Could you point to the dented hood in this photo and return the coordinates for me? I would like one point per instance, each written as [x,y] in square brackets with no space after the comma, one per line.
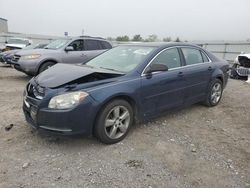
[244,55]
[16,45]
[61,74]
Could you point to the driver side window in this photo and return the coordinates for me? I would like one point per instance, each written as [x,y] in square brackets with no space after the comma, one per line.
[168,57]
[77,45]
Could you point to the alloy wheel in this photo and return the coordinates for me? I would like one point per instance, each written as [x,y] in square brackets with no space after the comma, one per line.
[117,122]
[216,93]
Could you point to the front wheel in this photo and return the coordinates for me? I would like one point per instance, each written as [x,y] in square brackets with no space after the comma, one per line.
[114,121]
[214,93]
[45,66]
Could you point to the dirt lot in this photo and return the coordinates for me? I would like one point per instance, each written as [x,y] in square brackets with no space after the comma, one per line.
[193,147]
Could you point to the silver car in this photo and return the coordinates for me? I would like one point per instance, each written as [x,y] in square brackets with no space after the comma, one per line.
[67,50]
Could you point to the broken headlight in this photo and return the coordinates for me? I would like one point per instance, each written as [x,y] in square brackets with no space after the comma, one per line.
[67,100]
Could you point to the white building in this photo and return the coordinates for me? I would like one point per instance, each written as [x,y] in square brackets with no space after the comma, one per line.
[3,25]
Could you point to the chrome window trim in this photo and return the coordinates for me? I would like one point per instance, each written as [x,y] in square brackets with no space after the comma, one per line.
[143,74]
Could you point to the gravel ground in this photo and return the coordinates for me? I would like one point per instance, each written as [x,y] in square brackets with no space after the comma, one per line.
[193,147]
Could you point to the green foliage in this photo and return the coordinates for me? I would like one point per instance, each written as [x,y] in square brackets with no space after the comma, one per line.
[124,38]
[137,38]
[167,39]
[151,38]
[177,39]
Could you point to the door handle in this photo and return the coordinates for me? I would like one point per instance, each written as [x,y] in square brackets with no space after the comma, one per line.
[209,68]
[180,74]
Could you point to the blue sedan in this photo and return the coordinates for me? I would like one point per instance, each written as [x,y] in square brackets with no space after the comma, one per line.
[106,95]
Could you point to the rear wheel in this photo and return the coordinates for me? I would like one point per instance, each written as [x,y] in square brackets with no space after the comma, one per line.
[45,66]
[215,93]
[114,122]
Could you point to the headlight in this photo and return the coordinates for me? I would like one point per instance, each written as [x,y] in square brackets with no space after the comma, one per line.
[68,100]
[32,56]
[236,61]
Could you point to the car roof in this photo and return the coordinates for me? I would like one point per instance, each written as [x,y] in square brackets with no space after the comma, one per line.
[159,44]
[86,37]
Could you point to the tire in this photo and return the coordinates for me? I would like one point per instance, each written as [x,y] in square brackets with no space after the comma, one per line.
[214,93]
[45,66]
[114,121]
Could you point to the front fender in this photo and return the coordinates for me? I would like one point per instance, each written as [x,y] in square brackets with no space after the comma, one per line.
[127,89]
[46,60]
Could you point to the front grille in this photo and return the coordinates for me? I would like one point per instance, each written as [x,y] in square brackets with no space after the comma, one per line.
[243,71]
[16,58]
[35,91]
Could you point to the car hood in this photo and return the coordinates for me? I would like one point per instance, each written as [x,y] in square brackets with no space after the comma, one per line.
[244,55]
[16,45]
[61,74]
[36,51]
[244,60]
[9,52]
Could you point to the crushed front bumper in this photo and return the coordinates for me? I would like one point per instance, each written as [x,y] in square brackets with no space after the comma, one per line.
[78,120]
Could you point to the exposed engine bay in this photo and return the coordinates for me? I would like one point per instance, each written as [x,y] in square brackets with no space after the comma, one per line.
[241,67]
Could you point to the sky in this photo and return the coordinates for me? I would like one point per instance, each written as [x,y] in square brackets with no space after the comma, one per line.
[187,19]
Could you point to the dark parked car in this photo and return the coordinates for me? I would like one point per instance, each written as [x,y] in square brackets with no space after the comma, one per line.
[241,67]
[128,82]
[67,50]
[7,56]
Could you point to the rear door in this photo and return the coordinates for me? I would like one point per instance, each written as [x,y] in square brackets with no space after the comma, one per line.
[163,90]
[92,48]
[198,71]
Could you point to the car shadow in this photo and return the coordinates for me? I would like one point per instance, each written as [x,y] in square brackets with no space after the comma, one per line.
[69,141]
[164,116]
[21,77]
[5,66]
[82,141]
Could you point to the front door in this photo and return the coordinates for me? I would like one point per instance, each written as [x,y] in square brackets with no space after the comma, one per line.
[77,55]
[163,90]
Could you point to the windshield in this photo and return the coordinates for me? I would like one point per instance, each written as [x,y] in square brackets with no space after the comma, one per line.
[32,46]
[18,41]
[35,46]
[57,44]
[122,58]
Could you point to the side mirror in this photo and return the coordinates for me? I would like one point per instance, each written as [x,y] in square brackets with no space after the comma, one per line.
[156,68]
[69,48]
[6,42]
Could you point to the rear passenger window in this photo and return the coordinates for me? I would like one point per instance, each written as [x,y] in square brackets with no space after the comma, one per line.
[105,45]
[204,57]
[192,56]
[169,57]
[91,45]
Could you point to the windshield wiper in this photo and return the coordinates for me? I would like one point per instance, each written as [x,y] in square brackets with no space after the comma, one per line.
[111,69]
[85,65]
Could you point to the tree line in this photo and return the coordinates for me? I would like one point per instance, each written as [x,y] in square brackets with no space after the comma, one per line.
[138,38]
